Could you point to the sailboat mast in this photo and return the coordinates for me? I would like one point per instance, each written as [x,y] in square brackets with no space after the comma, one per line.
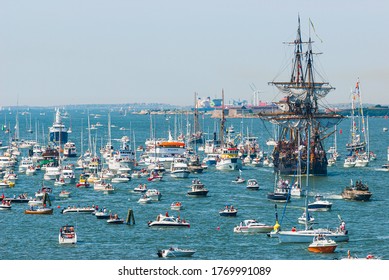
[222,123]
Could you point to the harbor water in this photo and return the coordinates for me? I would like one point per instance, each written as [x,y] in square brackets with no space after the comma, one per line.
[35,237]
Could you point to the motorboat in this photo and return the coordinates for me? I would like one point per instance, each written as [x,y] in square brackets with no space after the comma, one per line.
[252,184]
[22,198]
[86,210]
[83,181]
[102,214]
[176,205]
[6,184]
[154,176]
[64,194]
[228,211]
[67,235]
[168,221]
[5,205]
[154,194]
[140,188]
[229,160]
[179,168]
[175,252]
[145,199]
[281,192]
[239,180]
[359,191]
[122,178]
[349,162]
[322,244]
[39,210]
[114,219]
[319,204]
[197,188]
[252,226]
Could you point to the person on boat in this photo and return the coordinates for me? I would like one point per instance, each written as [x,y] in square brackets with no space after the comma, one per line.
[167,214]
[293,229]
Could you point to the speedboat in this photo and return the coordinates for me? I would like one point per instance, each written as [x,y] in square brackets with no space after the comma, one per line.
[252,184]
[228,211]
[175,252]
[197,189]
[122,178]
[144,199]
[102,214]
[239,180]
[359,191]
[176,205]
[319,204]
[168,221]
[140,188]
[5,205]
[155,177]
[281,192]
[322,244]
[74,209]
[154,194]
[115,220]
[252,226]
[64,194]
[67,235]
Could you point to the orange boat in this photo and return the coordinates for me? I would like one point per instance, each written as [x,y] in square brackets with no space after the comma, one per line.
[321,244]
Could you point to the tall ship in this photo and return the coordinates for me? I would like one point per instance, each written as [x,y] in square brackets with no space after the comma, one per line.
[303,124]
[58,133]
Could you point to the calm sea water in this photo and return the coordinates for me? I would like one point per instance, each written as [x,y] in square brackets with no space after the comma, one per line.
[35,237]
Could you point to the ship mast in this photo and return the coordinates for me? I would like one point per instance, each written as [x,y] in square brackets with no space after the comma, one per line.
[222,123]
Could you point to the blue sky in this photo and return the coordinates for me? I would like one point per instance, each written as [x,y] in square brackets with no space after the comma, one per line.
[122,51]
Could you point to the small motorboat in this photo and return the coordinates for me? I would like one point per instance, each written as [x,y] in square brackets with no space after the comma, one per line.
[281,192]
[122,178]
[155,177]
[168,221]
[197,189]
[253,226]
[228,211]
[64,194]
[252,184]
[322,244]
[145,199]
[115,220]
[140,188]
[176,205]
[39,211]
[239,180]
[102,214]
[154,194]
[359,191]
[175,252]
[67,235]
[5,205]
[319,204]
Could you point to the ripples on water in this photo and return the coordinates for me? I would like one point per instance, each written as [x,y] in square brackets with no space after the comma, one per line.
[29,237]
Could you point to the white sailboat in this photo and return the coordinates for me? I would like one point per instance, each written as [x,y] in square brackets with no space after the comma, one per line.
[359,140]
